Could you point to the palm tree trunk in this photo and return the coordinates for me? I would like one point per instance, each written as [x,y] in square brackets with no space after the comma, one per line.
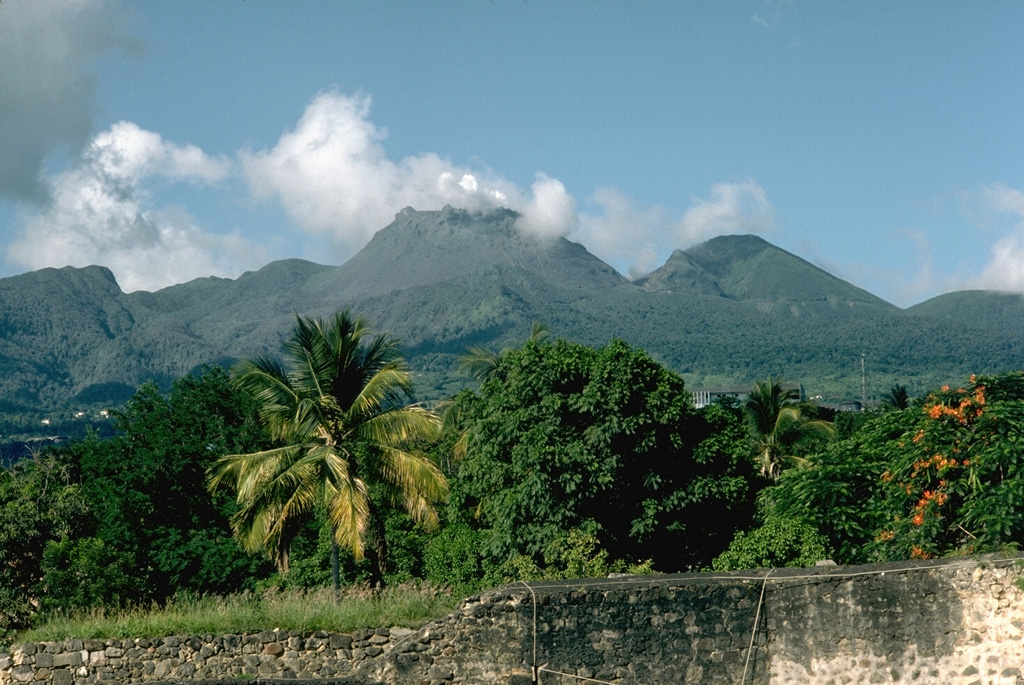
[335,574]
[377,550]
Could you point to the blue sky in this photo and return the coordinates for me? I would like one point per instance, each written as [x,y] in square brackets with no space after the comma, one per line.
[173,140]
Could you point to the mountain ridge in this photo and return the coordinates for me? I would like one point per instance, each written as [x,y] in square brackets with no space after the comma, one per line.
[728,311]
[749,268]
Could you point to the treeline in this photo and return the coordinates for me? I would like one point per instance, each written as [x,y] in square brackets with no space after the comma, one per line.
[564,461]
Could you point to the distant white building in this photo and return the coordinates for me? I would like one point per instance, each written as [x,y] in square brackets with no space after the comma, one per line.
[702,397]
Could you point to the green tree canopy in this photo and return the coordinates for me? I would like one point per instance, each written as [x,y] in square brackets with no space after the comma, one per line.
[105,522]
[39,505]
[779,542]
[564,437]
[146,486]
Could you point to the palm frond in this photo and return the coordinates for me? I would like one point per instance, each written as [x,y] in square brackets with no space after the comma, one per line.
[380,392]
[824,429]
[348,512]
[786,419]
[418,478]
[538,332]
[777,420]
[273,492]
[267,382]
[422,511]
[480,363]
[311,366]
[264,520]
[242,468]
[461,447]
[399,426]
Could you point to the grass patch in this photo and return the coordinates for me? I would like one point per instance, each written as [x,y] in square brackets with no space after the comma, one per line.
[304,611]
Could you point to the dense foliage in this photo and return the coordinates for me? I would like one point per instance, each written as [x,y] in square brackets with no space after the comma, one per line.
[567,460]
[39,505]
[564,438]
[128,519]
[779,542]
[944,476]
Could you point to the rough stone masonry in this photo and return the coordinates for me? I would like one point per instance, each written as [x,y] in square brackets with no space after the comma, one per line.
[950,621]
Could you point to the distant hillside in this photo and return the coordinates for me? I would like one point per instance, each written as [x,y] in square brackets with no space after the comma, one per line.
[750,269]
[983,310]
[729,311]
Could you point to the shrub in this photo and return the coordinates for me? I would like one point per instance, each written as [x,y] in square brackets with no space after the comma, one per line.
[779,542]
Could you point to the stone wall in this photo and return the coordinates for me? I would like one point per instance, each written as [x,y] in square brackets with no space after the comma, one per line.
[940,621]
[269,654]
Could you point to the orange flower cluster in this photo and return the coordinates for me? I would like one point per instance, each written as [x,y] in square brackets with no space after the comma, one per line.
[939,461]
[969,407]
[922,504]
[928,476]
[929,495]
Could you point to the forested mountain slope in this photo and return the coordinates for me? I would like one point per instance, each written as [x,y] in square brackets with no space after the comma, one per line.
[729,311]
[983,310]
[749,269]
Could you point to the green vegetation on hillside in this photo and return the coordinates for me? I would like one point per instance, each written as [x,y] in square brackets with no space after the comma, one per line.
[563,459]
[730,311]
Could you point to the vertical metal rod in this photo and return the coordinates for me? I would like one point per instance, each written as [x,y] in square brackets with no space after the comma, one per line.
[863,385]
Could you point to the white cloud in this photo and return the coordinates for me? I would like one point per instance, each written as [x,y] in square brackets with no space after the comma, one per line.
[630,239]
[920,278]
[552,211]
[773,14]
[1005,269]
[334,179]
[914,281]
[46,49]
[100,214]
[635,240]
[733,208]
[128,152]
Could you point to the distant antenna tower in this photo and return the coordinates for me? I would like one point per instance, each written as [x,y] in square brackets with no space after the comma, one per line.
[863,385]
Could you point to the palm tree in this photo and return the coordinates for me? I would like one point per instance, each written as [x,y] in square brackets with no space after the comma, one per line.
[482,363]
[897,397]
[777,419]
[338,407]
